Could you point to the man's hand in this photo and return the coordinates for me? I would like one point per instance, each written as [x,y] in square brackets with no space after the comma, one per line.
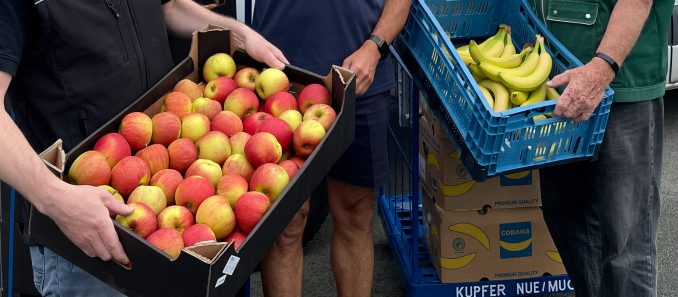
[84,213]
[585,88]
[259,48]
[364,63]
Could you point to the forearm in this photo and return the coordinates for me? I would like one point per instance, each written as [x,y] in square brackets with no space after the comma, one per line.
[183,17]
[20,166]
[392,19]
[627,20]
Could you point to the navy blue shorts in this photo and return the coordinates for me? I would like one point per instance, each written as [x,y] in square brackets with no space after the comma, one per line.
[365,162]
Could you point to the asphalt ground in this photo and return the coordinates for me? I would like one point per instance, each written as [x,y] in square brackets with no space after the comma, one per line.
[388,279]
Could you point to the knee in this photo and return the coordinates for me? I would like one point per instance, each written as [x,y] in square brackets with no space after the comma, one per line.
[354,218]
[294,231]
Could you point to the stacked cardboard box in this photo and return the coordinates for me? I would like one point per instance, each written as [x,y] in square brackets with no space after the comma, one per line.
[491,230]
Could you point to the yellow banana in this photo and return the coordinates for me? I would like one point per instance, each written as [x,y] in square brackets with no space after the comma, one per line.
[511,61]
[463,48]
[456,263]
[540,117]
[551,93]
[529,64]
[487,95]
[518,97]
[515,247]
[457,190]
[536,96]
[509,48]
[499,92]
[495,46]
[475,71]
[473,231]
[465,56]
[534,80]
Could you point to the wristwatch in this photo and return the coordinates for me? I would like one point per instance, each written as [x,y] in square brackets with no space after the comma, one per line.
[381,45]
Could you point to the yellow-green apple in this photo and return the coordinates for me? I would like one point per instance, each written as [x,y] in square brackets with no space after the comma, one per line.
[168,180]
[177,103]
[292,117]
[130,173]
[206,106]
[114,147]
[271,81]
[113,192]
[218,65]
[237,237]
[300,161]
[207,169]
[231,186]
[168,240]
[175,216]
[188,87]
[217,213]
[290,167]
[192,191]
[246,77]
[137,129]
[313,94]
[249,209]
[279,103]
[156,157]
[198,233]
[219,88]
[166,128]
[280,129]
[262,148]
[307,137]
[152,196]
[269,179]
[252,122]
[242,102]
[238,141]
[141,221]
[214,146]
[194,125]
[237,164]
[322,113]
[90,168]
[182,153]
[227,122]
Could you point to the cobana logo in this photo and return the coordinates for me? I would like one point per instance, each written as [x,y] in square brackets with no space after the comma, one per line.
[515,240]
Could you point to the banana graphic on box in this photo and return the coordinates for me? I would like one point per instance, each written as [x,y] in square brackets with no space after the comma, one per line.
[450,190]
[515,247]
[470,230]
[555,256]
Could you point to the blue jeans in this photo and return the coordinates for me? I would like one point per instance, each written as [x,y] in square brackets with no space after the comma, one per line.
[55,276]
[603,215]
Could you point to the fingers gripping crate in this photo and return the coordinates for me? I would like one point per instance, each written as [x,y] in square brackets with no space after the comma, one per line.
[492,142]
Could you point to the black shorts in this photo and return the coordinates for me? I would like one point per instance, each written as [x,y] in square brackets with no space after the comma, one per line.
[365,162]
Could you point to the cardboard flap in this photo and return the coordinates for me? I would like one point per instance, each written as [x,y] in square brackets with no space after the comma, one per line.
[55,158]
[207,252]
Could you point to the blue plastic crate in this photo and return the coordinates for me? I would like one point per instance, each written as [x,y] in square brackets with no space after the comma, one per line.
[495,143]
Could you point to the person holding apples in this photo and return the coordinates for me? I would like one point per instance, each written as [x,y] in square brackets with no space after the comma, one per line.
[70,66]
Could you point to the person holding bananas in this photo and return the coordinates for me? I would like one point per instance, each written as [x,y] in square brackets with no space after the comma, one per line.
[603,215]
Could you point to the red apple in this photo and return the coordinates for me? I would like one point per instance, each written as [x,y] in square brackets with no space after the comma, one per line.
[246,77]
[113,192]
[269,179]
[192,191]
[206,106]
[214,146]
[188,87]
[198,233]
[252,122]
[166,128]
[90,168]
[218,65]
[156,157]
[194,125]
[114,147]
[130,173]
[322,113]
[242,102]
[237,164]
[207,169]
[292,117]
[313,94]
[237,237]
[262,148]
[168,180]
[182,153]
[152,196]
[177,103]
[227,122]
[238,141]
[280,129]
[300,161]
[175,216]
[141,221]
[307,137]
[168,240]
[216,212]
[279,103]
[290,167]
[231,186]
[249,209]
[271,81]
[137,129]
[219,88]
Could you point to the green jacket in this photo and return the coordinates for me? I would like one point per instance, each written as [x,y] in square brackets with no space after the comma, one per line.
[580,26]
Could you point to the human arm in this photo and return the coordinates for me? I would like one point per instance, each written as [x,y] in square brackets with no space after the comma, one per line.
[364,61]
[183,17]
[586,84]
[81,212]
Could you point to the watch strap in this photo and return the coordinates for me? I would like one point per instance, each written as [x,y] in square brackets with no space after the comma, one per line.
[613,64]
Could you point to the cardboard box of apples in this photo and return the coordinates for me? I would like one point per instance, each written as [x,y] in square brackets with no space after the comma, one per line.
[215,159]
